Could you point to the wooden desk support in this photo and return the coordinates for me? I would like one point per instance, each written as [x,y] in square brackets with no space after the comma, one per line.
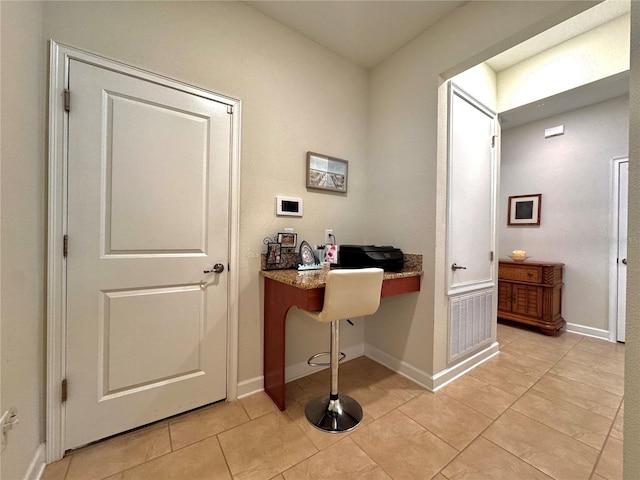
[279,297]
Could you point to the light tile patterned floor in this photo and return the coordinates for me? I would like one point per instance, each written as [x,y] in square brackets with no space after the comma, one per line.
[545,408]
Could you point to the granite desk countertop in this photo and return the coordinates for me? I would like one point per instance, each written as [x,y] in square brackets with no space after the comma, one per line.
[308,279]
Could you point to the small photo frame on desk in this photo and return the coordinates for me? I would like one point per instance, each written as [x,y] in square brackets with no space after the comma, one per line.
[288,240]
[274,255]
[326,173]
[524,210]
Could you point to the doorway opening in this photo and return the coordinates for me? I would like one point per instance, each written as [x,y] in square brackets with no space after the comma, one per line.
[567,192]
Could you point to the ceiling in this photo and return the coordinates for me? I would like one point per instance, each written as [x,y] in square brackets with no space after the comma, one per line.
[579,97]
[587,20]
[366,32]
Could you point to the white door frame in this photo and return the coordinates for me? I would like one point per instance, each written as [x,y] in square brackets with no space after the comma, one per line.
[486,347]
[60,55]
[613,249]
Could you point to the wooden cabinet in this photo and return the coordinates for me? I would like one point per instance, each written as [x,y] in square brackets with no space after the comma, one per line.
[531,293]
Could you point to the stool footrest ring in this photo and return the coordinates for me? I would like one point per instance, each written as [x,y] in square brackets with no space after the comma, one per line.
[311,362]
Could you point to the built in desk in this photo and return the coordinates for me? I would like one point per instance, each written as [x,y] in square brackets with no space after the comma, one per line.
[284,289]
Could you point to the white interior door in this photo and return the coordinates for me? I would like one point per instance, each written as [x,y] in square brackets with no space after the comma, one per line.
[147,214]
[623,181]
[472,186]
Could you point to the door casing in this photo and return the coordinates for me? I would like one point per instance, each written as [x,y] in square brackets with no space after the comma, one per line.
[60,55]
[613,249]
[486,283]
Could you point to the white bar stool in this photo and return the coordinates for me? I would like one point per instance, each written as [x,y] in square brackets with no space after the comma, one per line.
[349,293]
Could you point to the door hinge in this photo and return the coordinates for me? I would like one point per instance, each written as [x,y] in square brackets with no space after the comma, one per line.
[65,245]
[67,100]
[493,141]
[491,256]
[63,390]
[230,109]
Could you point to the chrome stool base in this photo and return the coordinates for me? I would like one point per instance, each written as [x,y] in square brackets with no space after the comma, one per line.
[334,416]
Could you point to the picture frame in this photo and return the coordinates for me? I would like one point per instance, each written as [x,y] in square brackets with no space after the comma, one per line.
[288,240]
[524,210]
[274,254]
[327,173]
[307,257]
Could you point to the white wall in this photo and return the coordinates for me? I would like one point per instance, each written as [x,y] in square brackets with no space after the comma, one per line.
[407,155]
[574,174]
[23,231]
[481,82]
[598,53]
[297,96]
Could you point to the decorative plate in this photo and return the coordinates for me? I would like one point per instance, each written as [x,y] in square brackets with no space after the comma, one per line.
[306,257]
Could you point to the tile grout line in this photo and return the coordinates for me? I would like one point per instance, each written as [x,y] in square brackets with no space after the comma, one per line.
[606,440]
[553,364]
[509,408]
[170,438]
[66,472]
[575,347]
[172,450]
[601,449]
[226,461]
[374,420]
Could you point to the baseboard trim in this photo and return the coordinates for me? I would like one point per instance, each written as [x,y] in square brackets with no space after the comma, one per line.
[448,375]
[421,377]
[249,387]
[588,331]
[440,379]
[254,385]
[37,465]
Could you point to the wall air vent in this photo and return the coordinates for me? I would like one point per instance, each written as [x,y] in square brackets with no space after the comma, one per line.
[554,131]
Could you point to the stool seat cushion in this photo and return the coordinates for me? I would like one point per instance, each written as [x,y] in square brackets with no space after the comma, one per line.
[350,293]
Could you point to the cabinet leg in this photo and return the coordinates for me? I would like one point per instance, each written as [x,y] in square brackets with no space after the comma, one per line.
[552,329]
[549,332]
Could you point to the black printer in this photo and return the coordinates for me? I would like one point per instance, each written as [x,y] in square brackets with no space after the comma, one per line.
[390,259]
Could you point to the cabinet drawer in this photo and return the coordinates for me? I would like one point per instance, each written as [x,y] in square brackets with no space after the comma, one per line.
[520,273]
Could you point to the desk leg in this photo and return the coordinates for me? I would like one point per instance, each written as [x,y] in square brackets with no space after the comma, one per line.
[276,306]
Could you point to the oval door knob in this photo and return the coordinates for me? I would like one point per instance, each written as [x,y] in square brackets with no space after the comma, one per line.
[217,268]
[624,260]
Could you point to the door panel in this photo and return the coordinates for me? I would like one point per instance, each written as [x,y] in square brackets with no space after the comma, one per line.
[148,176]
[504,297]
[156,327]
[527,300]
[141,217]
[471,225]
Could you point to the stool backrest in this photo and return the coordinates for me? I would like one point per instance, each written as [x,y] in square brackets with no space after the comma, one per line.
[351,293]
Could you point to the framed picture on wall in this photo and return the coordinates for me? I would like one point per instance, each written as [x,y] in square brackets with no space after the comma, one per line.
[326,173]
[524,209]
